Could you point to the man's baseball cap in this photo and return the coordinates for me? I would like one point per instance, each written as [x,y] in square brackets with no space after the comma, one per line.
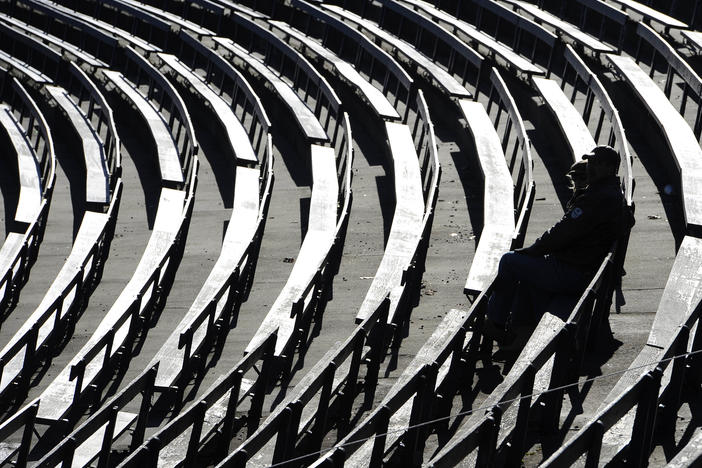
[603,154]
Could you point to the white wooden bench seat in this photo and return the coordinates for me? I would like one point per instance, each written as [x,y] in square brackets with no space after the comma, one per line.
[173,19]
[10,257]
[97,184]
[87,452]
[240,231]
[580,140]
[344,71]
[168,159]
[313,252]
[30,194]
[474,36]
[650,13]
[57,397]
[7,62]
[694,39]
[236,133]
[563,27]
[306,119]
[498,199]
[678,134]
[51,40]
[94,25]
[431,69]
[429,354]
[406,226]
[90,230]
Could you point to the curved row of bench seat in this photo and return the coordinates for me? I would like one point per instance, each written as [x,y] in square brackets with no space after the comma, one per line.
[617,432]
[231,275]
[322,213]
[68,294]
[545,363]
[36,164]
[176,148]
[615,426]
[499,229]
[483,42]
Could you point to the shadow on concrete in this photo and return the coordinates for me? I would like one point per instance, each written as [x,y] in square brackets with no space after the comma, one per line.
[646,139]
[366,135]
[69,156]
[139,144]
[9,181]
[449,127]
[216,150]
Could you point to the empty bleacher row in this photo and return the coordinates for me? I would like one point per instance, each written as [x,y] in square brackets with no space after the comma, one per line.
[508,70]
[34,166]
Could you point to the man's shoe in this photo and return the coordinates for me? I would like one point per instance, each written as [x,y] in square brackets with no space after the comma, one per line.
[497,333]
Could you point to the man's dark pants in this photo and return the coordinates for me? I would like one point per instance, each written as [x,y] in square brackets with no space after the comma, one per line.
[541,277]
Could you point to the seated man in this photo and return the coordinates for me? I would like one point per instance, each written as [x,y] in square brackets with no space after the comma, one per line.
[564,259]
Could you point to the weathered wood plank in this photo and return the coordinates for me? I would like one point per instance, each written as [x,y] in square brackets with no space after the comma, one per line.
[313,252]
[580,140]
[89,450]
[236,133]
[498,198]
[29,201]
[466,30]
[681,140]
[168,160]
[447,82]
[240,231]
[306,119]
[562,26]
[406,222]
[97,183]
[650,14]
[428,354]
[345,71]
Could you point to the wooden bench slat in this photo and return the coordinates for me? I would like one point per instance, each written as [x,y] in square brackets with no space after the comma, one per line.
[9,251]
[313,252]
[168,160]
[90,449]
[694,38]
[442,77]
[97,184]
[55,41]
[90,229]
[237,136]
[57,397]
[580,140]
[498,198]
[650,13]
[345,71]
[691,453]
[305,117]
[174,19]
[428,354]
[29,201]
[406,222]
[456,25]
[240,231]
[678,134]
[566,28]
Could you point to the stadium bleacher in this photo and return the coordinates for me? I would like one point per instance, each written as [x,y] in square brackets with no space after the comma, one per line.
[164,303]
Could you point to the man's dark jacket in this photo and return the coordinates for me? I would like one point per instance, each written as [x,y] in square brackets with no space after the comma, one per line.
[593,221]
